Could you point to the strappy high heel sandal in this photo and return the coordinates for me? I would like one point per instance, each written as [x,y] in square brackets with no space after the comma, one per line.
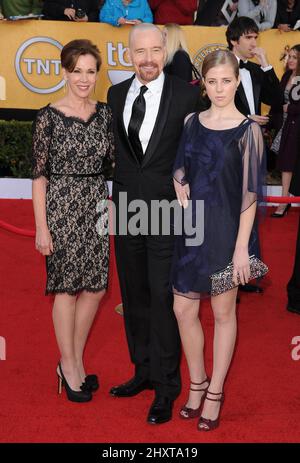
[187,413]
[204,424]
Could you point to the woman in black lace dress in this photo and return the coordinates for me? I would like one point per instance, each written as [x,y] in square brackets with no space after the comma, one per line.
[71,138]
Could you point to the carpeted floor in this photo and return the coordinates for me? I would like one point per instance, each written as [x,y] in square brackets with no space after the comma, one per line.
[262,390]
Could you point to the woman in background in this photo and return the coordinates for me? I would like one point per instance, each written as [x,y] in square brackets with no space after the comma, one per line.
[287,120]
[178,61]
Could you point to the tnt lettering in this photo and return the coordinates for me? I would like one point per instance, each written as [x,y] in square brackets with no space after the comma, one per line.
[47,66]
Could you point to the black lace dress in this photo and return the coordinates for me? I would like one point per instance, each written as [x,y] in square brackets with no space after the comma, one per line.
[69,152]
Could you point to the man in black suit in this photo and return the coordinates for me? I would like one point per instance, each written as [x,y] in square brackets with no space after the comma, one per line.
[143,171]
[259,83]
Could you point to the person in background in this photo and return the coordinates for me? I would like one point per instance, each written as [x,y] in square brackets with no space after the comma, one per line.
[258,82]
[263,12]
[20,7]
[71,140]
[293,286]
[288,13]
[286,119]
[209,13]
[71,10]
[219,163]
[119,12]
[175,11]
[178,61]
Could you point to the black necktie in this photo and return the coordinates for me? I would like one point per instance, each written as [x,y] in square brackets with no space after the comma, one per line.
[244,65]
[136,120]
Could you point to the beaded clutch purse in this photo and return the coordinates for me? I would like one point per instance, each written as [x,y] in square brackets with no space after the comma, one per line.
[222,281]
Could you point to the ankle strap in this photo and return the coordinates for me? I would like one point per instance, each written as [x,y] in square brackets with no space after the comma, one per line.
[207,380]
[220,399]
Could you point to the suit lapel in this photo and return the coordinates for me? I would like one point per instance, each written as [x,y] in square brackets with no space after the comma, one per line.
[256,85]
[161,120]
[242,95]
[121,127]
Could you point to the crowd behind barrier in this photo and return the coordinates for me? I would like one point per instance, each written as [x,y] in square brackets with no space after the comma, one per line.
[281,14]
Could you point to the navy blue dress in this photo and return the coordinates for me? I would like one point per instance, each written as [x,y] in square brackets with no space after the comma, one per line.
[224,169]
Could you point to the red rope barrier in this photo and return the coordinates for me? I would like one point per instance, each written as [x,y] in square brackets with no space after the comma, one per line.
[31,233]
[17,230]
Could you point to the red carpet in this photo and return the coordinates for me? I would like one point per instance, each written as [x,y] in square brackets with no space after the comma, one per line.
[262,391]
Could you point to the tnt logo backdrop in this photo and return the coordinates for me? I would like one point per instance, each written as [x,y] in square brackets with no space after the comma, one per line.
[38,66]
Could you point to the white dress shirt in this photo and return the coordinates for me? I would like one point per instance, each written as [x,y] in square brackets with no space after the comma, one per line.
[248,85]
[152,98]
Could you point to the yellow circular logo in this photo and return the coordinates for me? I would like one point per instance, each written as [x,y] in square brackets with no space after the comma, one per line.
[38,65]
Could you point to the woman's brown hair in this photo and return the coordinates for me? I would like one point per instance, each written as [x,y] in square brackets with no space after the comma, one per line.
[72,50]
[217,57]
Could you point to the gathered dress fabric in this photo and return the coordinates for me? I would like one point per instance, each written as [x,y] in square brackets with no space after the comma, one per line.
[224,169]
[69,152]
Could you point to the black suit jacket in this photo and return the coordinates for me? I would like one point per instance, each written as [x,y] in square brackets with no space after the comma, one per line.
[266,89]
[153,178]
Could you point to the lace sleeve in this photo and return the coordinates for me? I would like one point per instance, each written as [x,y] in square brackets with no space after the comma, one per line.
[180,168]
[41,140]
[252,145]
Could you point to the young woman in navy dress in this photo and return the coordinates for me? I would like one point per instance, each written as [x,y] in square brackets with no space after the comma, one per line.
[219,162]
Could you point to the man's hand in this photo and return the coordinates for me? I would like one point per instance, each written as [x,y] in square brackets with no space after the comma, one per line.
[284,28]
[261,56]
[261,120]
[84,19]
[70,12]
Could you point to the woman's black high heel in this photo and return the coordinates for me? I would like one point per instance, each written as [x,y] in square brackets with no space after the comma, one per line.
[91,383]
[73,396]
[279,215]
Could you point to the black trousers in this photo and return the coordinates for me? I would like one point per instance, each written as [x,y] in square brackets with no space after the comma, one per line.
[144,264]
[293,286]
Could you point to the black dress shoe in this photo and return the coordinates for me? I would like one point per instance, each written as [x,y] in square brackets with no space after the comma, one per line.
[160,410]
[250,288]
[131,388]
[292,309]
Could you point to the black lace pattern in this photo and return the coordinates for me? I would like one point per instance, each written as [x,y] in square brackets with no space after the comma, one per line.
[69,152]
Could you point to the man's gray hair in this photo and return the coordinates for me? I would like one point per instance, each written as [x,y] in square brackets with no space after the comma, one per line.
[144,27]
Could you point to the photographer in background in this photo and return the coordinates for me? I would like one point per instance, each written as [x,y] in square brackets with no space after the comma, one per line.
[71,10]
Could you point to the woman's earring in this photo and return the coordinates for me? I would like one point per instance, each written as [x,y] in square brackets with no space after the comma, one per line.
[65,86]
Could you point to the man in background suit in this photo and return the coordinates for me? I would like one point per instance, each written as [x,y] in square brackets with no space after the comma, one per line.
[259,83]
[143,171]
